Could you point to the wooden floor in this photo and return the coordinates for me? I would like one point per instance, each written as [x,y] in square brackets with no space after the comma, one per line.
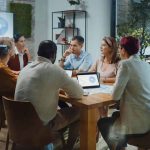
[101,145]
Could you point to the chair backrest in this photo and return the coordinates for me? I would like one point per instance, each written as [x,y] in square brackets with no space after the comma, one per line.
[141,141]
[24,125]
[1,107]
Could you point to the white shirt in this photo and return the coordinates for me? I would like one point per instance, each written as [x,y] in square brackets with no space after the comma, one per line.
[39,82]
[20,55]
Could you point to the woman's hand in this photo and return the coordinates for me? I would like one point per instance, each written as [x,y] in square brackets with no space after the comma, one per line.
[26,50]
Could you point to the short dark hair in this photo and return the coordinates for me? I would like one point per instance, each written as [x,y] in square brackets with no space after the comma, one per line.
[4,49]
[6,44]
[130,44]
[47,49]
[17,37]
[80,39]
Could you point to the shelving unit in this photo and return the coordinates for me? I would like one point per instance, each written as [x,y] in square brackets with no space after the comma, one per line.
[66,24]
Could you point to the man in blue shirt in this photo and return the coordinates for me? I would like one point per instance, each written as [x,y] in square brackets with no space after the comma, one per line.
[74,58]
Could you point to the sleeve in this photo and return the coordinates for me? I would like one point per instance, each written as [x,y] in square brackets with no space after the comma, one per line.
[67,64]
[9,74]
[70,86]
[87,62]
[116,68]
[122,79]
[9,80]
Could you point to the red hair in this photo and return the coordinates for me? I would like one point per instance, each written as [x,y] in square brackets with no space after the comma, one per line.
[130,44]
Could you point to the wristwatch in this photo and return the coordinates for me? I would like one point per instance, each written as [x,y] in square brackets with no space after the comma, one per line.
[62,59]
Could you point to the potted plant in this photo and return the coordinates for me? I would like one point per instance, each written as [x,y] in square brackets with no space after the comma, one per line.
[137,24]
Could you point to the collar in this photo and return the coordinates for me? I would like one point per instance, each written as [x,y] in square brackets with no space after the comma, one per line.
[135,56]
[80,56]
[43,59]
[17,52]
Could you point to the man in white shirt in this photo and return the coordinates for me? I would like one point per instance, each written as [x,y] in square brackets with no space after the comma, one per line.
[39,83]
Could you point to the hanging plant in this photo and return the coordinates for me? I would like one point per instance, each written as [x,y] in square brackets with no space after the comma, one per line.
[22,18]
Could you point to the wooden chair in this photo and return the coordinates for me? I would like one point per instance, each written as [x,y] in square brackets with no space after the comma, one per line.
[142,142]
[25,127]
[2,121]
[2,115]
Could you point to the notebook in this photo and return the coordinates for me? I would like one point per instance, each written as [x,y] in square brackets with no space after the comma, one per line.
[88,80]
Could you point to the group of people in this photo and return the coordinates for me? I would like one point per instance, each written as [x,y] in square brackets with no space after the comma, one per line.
[81,61]
[39,82]
[10,65]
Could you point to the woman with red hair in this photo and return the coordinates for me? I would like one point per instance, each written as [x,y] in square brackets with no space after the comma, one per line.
[132,88]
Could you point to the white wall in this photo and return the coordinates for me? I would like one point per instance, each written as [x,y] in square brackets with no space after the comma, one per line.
[98,22]
[41,22]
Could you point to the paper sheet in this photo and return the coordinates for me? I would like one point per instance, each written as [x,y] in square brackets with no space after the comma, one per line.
[102,89]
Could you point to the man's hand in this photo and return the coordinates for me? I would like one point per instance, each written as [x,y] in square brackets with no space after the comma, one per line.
[67,52]
[62,60]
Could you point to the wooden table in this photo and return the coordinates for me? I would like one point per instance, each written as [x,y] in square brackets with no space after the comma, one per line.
[88,111]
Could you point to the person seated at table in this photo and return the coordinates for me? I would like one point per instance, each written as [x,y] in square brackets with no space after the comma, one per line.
[132,88]
[106,65]
[22,55]
[75,58]
[40,82]
[7,77]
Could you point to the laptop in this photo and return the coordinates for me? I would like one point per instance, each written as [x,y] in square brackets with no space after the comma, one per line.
[88,81]
[91,84]
[69,72]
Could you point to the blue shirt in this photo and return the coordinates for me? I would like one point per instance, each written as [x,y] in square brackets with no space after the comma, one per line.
[82,62]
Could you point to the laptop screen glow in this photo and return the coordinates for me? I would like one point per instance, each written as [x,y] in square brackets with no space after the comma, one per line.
[88,80]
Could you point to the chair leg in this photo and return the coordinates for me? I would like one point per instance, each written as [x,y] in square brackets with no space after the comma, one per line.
[0,126]
[62,131]
[13,146]
[142,148]
[7,141]
[63,140]
[0,118]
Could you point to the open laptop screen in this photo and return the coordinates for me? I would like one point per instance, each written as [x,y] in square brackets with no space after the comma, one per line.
[88,80]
